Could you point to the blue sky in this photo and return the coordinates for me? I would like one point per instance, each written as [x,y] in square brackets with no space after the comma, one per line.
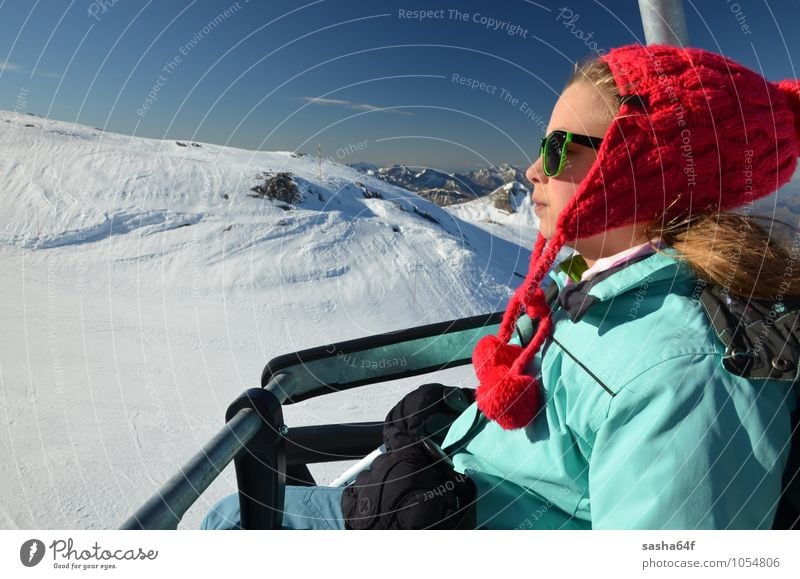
[247,73]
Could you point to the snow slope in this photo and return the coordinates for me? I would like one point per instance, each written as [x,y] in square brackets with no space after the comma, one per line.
[143,288]
[520,227]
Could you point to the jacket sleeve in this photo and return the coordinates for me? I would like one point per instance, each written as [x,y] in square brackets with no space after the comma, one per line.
[686,445]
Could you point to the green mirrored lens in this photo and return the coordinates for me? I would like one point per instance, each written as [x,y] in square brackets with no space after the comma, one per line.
[553,149]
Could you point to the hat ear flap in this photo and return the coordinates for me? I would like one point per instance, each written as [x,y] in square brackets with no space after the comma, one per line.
[606,198]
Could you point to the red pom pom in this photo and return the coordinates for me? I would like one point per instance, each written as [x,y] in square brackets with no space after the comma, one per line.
[511,400]
[490,353]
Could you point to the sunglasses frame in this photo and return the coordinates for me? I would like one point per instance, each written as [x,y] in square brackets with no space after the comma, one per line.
[569,137]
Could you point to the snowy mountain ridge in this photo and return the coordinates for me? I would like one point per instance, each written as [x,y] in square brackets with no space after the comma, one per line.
[447,189]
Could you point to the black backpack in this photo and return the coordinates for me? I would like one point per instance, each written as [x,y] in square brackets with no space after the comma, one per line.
[414,485]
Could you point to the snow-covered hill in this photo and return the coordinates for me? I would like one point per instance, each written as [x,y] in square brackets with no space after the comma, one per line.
[145,284]
[506,213]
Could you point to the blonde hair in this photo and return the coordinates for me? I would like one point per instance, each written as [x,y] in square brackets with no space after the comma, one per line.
[726,248]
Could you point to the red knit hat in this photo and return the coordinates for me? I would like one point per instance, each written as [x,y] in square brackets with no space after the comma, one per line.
[699,133]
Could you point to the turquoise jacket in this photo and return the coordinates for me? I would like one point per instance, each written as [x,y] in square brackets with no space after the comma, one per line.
[642,426]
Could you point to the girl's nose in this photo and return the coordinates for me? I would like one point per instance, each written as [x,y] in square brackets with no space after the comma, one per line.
[535,172]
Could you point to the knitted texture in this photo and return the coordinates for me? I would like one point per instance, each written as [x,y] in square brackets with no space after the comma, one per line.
[698,133]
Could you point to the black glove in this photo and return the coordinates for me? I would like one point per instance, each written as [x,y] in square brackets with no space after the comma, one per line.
[427,412]
[412,487]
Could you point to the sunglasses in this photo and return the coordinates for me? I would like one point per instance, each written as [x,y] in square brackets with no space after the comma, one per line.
[554,149]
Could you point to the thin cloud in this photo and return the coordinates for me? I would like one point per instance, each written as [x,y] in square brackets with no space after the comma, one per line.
[7,66]
[48,74]
[350,105]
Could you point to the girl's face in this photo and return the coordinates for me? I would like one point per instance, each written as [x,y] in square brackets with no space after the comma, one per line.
[580,109]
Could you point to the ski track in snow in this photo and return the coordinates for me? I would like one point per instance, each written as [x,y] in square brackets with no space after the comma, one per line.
[143,289]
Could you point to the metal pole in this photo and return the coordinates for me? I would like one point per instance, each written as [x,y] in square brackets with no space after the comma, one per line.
[664,22]
[166,508]
[282,385]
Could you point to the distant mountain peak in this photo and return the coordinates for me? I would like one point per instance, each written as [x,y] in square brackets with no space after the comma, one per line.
[449,188]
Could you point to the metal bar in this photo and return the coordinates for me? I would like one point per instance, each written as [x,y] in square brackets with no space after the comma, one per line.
[282,385]
[337,367]
[261,465]
[166,508]
[664,22]
[332,442]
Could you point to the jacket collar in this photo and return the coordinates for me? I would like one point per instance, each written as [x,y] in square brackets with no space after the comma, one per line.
[576,299]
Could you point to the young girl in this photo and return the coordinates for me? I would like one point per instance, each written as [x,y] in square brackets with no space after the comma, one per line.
[619,412]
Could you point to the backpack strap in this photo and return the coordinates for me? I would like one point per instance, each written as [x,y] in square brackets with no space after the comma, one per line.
[526,328]
[761,337]
[573,266]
